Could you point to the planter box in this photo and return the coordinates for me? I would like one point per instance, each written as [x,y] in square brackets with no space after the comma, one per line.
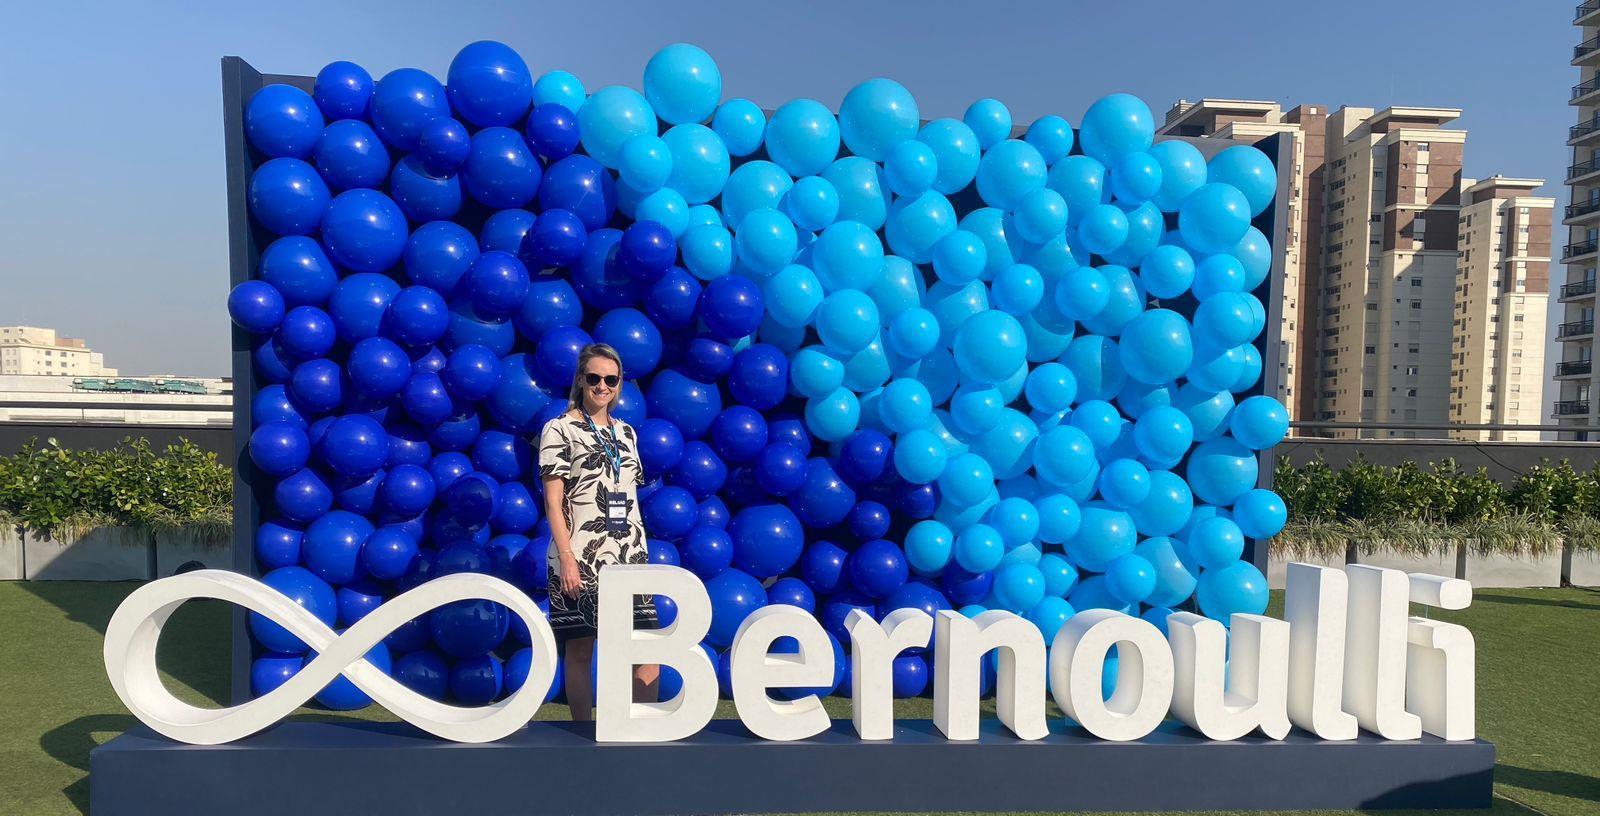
[1445,562]
[174,549]
[10,553]
[100,554]
[1278,566]
[1497,570]
[1581,567]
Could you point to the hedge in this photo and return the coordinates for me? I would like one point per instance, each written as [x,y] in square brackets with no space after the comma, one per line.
[48,489]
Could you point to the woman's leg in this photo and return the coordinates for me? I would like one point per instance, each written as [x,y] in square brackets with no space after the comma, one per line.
[580,691]
[646,683]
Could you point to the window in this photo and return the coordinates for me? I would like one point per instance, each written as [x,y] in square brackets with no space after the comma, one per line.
[1416,304]
[1414,348]
[1366,392]
[1372,349]
[1411,371]
[1416,282]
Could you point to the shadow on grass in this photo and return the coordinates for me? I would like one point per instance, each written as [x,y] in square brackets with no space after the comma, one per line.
[1560,783]
[87,602]
[1589,602]
[70,744]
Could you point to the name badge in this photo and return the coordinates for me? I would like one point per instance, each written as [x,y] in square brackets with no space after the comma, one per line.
[616,511]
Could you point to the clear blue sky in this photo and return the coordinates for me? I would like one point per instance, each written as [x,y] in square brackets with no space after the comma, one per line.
[113,213]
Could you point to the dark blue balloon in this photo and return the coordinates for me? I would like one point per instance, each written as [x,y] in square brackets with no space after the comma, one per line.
[417,316]
[916,595]
[256,306]
[425,399]
[551,302]
[738,434]
[443,146]
[910,676]
[866,457]
[271,365]
[466,328]
[455,559]
[666,553]
[520,397]
[581,186]
[378,368]
[388,552]
[780,469]
[355,600]
[669,512]
[832,612]
[686,403]
[869,520]
[489,84]
[472,373]
[671,300]
[403,102]
[598,276]
[422,195]
[504,456]
[438,254]
[470,628]
[731,306]
[273,404]
[734,595]
[630,406]
[272,670]
[349,155]
[430,359]
[556,238]
[282,120]
[917,501]
[707,359]
[825,499]
[477,680]
[706,551]
[634,337]
[506,231]
[822,567]
[355,446]
[963,587]
[278,544]
[342,90]
[713,512]
[558,351]
[360,495]
[878,568]
[425,672]
[792,591]
[500,170]
[408,442]
[298,268]
[646,251]
[304,588]
[553,131]
[302,496]
[759,377]
[471,498]
[364,231]
[288,197]
[316,385]
[358,304]
[407,490]
[332,546]
[455,433]
[700,470]
[447,467]
[660,445]
[790,431]
[516,508]
[497,283]
[767,539]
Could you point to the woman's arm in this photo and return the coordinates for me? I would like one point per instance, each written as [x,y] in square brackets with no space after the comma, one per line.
[560,536]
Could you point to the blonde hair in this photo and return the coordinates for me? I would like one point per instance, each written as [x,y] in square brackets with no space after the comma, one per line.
[591,351]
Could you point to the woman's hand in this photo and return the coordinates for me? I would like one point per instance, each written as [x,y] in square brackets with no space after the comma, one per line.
[570,582]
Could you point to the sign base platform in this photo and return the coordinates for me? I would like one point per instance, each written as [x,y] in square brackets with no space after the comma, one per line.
[314,768]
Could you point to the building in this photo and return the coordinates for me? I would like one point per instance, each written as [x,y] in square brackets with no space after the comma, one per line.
[51,400]
[1502,294]
[1574,374]
[29,350]
[1392,188]
[1251,121]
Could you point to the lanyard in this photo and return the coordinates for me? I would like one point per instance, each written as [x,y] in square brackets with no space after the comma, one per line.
[608,441]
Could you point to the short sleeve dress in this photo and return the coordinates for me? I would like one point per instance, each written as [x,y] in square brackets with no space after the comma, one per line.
[568,449]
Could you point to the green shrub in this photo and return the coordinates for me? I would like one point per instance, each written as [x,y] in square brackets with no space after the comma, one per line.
[50,488]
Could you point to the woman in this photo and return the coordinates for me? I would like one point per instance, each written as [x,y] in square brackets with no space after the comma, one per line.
[589,462]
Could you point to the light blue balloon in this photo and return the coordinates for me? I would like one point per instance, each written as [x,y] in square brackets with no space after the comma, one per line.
[1124,483]
[859,184]
[1163,434]
[1008,172]
[975,410]
[699,162]
[1064,456]
[1051,388]
[1105,535]
[868,368]
[990,225]
[754,185]
[847,255]
[1221,470]
[1135,398]
[900,288]
[1059,517]
[938,371]
[959,257]
[1255,253]
[707,251]
[741,124]
[967,479]
[1017,290]
[559,88]
[1167,507]
[645,163]
[1259,422]
[1099,420]
[956,150]
[1059,574]
[706,215]
[1156,347]
[1081,181]
[1135,177]
[1009,445]
[1183,170]
[1041,215]
[1044,344]
[1081,293]
[906,405]
[1208,411]
[847,321]
[835,416]
[766,241]
[1096,363]
[1145,228]
[1225,319]
[1017,521]
[989,347]
[920,456]
[813,203]
[1011,387]
[1052,136]
[928,546]
[979,548]
[667,208]
[1126,301]
[1218,273]
[787,339]
[683,84]
[1238,588]
[954,305]
[1103,229]
[803,137]
[1018,587]
[1116,125]
[1249,373]
[1260,513]
[610,118]
[792,296]
[1168,271]
[1250,171]
[875,116]
[1130,578]
[990,121]
[1215,369]
[913,333]
[915,225]
[1214,218]
[1174,583]
[911,168]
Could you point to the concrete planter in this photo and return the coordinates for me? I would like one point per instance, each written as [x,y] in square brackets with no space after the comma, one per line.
[1512,571]
[1580,567]
[1278,565]
[10,553]
[99,554]
[177,548]
[1445,561]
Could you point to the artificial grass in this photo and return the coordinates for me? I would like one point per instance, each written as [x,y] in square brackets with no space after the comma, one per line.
[1538,683]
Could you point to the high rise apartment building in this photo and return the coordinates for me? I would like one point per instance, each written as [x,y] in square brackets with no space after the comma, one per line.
[1574,372]
[1502,295]
[31,350]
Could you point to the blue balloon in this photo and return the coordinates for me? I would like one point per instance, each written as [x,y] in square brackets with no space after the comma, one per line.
[1238,588]
[731,306]
[297,267]
[1116,125]
[634,337]
[342,90]
[348,154]
[443,146]
[342,695]
[279,448]
[315,384]
[403,103]
[489,84]
[1010,171]
[741,124]
[989,120]
[364,231]
[824,499]
[256,306]
[282,121]
[687,404]
[802,137]
[1259,422]
[734,595]
[700,470]
[580,185]
[288,197]
[682,83]
[1260,513]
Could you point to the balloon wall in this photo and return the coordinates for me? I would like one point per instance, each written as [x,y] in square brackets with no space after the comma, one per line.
[874,362]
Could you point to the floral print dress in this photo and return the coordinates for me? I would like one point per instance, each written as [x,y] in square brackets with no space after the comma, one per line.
[569,450]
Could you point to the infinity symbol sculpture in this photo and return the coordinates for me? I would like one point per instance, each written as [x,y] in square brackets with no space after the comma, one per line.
[135,628]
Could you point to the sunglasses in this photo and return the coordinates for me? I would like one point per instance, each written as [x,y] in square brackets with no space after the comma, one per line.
[594,379]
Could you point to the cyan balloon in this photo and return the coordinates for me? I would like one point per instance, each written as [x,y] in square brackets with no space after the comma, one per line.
[1250,171]
[1104,536]
[1145,228]
[682,84]
[1135,177]
[989,347]
[915,225]
[708,250]
[1183,170]
[847,255]
[1260,513]
[609,118]
[766,241]
[1064,456]
[1234,589]
[1096,364]
[1081,182]
[1116,125]
[875,116]
[906,405]
[1259,422]
[899,288]
[959,257]
[803,137]
[1018,290]
[741,124]
[644,163]
[990,121]
[1052,136]
[911,168]
[1166,508]
[1059,518]
[1041,215]
[1214,218]
[1008,172]
[1168,271]
[913,333]
[1103,229]
[1156,347]
[859,184]
[812,203]
[847,321]
[1221,470]
[560,88]
[834,416]
[699,162]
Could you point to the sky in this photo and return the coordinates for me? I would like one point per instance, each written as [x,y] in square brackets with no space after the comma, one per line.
[113,211]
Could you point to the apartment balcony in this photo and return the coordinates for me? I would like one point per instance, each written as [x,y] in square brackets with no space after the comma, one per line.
[1583,172]
[1582,212]
[1581,289]
[1586,52]
[1575,329]
[1579,251]
[1585,12]
[1571,408]
[1574,368]
[1583,132]
[1585,93]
